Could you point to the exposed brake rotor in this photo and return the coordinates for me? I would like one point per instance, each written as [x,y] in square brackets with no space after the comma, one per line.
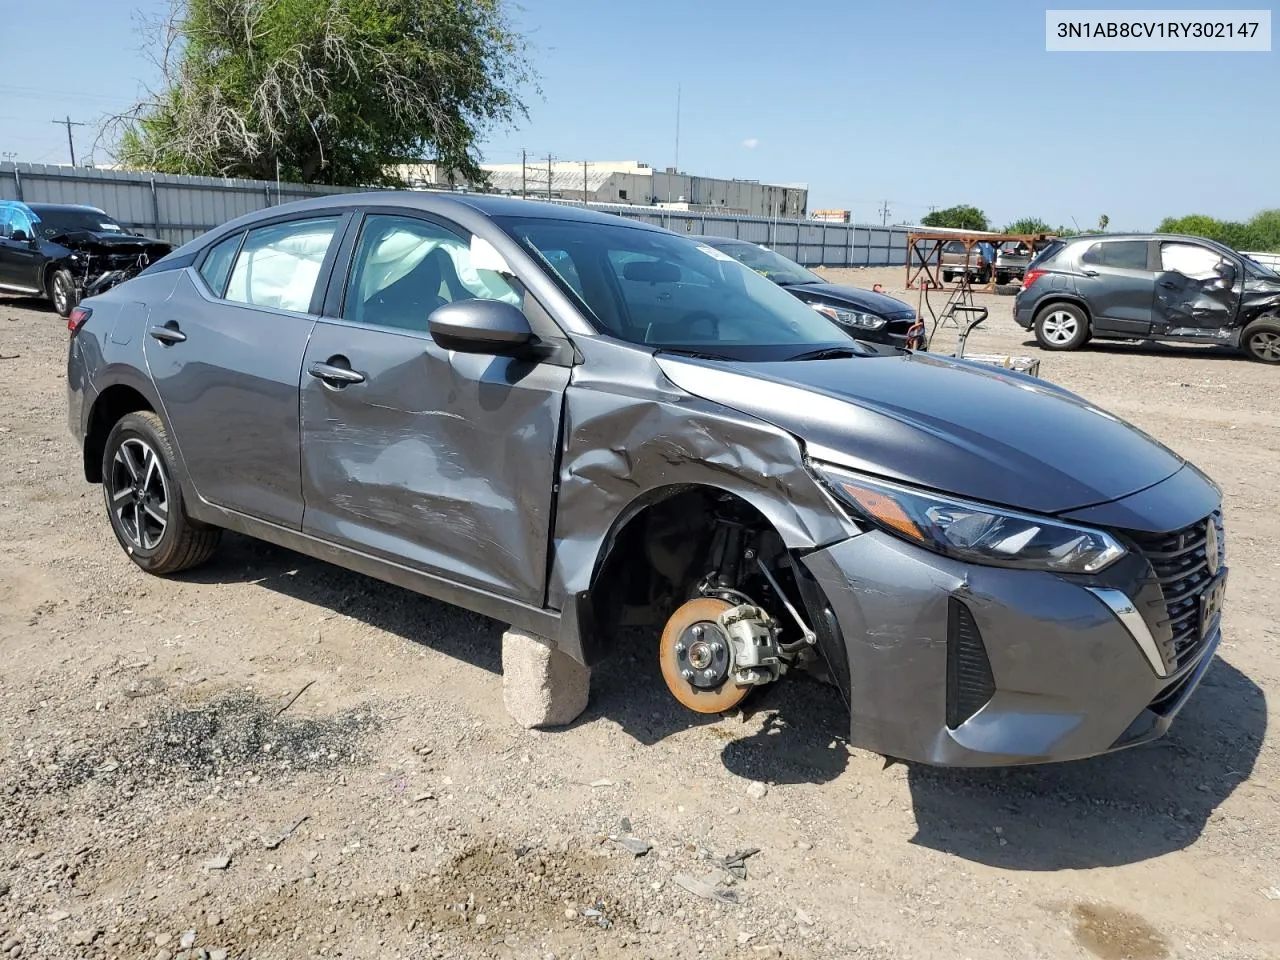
[697,660]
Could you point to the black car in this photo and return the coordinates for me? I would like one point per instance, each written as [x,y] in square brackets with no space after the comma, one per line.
[1163,287]
[64,252]
[867,315]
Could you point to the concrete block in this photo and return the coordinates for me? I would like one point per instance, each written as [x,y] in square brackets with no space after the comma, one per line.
[541,685]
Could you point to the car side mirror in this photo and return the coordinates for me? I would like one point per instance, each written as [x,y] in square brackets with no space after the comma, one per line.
[1227,271]
[20,236]
[480,326]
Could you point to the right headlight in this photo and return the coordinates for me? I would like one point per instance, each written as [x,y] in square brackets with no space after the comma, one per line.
[974,532]
[850,318]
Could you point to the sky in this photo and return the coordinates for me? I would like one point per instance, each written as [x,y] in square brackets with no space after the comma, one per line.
[921,104]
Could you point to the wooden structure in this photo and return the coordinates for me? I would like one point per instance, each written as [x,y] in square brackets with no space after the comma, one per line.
[924,254]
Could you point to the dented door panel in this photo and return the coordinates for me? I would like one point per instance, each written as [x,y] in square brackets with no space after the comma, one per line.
[442,461]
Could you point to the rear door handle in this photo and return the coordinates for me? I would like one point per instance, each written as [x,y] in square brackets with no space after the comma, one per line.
[168,334]
[334,375]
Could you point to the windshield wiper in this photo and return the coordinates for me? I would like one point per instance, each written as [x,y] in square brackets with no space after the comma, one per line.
[696,355]
[830,353]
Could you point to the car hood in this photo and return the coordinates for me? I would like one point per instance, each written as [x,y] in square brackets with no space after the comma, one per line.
[111,242]
[955,426]
[839,293]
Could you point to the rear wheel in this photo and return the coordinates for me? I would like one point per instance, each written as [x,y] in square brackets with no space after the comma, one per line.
[948,276]
[1261,340]
[1002,279]
[1061,326]
[144,501]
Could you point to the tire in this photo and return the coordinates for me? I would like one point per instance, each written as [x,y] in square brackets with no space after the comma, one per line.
[62,291]
[1061,326]
[1002,279]
[144,501]
[1260,340]
[948,276]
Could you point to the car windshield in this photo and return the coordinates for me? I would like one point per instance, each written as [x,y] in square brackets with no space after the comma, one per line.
[54,223]
[772,266]
[1259,271]
[661,290]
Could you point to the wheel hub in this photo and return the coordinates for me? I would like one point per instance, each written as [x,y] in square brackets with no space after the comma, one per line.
[702,654]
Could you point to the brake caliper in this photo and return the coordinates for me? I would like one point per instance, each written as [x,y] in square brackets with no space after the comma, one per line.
[753,638]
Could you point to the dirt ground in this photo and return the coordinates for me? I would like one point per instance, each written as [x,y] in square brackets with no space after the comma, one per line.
[270,757]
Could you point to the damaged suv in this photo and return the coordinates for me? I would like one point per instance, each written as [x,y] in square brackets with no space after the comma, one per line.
[62,252]
[571,422]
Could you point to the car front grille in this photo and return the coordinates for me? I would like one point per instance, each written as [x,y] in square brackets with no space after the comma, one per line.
[1180,568]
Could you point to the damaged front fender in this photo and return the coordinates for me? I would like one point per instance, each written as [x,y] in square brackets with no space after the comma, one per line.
[631,438]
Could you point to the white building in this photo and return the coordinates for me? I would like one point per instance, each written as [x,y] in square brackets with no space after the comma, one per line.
[632,182]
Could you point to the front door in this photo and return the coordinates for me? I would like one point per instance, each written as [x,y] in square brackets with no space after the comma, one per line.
[441,461]
[1192,298]
[225,353]
[1116,279]
[20,260]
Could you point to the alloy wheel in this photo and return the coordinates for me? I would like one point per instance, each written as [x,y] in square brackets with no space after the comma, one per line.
[1266,346]
[139,493]
[1060,327]
[61,295]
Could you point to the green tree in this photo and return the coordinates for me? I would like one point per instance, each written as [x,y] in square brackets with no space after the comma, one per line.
[1029,225]
[1237,235]
[958,218]
[1103,222]
[326,91]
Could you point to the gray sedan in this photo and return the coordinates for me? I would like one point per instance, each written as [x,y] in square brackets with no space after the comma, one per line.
[562,420]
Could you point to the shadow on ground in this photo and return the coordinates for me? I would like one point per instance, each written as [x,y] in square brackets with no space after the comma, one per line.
[1190,351]
[794,745]
[1122,808]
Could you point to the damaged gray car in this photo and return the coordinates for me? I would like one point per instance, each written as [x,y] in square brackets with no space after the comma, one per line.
[572,422]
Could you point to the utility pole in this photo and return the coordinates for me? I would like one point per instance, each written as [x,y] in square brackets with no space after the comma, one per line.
[677,128]
[584,183]
[524,185]
[548,176]
[66,122]
[884,213]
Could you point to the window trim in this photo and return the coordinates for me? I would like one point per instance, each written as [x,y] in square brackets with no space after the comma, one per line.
[340,280]
[343,215]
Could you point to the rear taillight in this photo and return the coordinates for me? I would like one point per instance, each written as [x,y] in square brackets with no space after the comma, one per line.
[1030,277]
[78,316]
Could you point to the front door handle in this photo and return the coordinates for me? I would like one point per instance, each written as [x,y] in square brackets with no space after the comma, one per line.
[1090,273]
[168,334]
[334,375]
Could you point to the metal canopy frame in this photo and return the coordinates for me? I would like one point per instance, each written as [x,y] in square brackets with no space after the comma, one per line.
[924,254]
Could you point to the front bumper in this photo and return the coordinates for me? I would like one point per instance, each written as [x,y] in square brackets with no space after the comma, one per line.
[1064,678]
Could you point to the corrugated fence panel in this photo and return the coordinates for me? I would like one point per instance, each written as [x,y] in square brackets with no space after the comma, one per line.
[180,208]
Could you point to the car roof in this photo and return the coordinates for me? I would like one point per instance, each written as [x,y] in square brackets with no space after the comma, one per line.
[65,208]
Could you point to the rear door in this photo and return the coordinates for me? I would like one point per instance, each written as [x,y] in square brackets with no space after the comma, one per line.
[225,352]
[1192,299]
[1117,280]
[438,460]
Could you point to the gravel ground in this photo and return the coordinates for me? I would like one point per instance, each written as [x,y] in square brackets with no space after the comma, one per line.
[270,757]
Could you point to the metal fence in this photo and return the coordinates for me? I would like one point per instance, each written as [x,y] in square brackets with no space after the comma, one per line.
[179,208]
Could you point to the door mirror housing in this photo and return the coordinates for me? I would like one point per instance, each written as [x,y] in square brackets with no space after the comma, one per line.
[20,236]
[480,326]
[1227,271]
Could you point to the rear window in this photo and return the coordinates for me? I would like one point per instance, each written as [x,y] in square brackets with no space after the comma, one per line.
[1050,249]
[1124,254]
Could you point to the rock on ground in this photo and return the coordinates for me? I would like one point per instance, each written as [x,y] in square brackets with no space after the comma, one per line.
[541,685]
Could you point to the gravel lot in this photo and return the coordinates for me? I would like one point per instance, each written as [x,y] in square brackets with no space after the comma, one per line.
[162,794]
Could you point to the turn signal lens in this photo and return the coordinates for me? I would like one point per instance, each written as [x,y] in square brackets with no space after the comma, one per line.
[78,316]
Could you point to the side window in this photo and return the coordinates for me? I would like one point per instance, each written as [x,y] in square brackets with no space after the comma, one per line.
[20,220]
[1190,260]
[278,265]
[405,268]
[4,223]
[217,264]
[1124,254]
